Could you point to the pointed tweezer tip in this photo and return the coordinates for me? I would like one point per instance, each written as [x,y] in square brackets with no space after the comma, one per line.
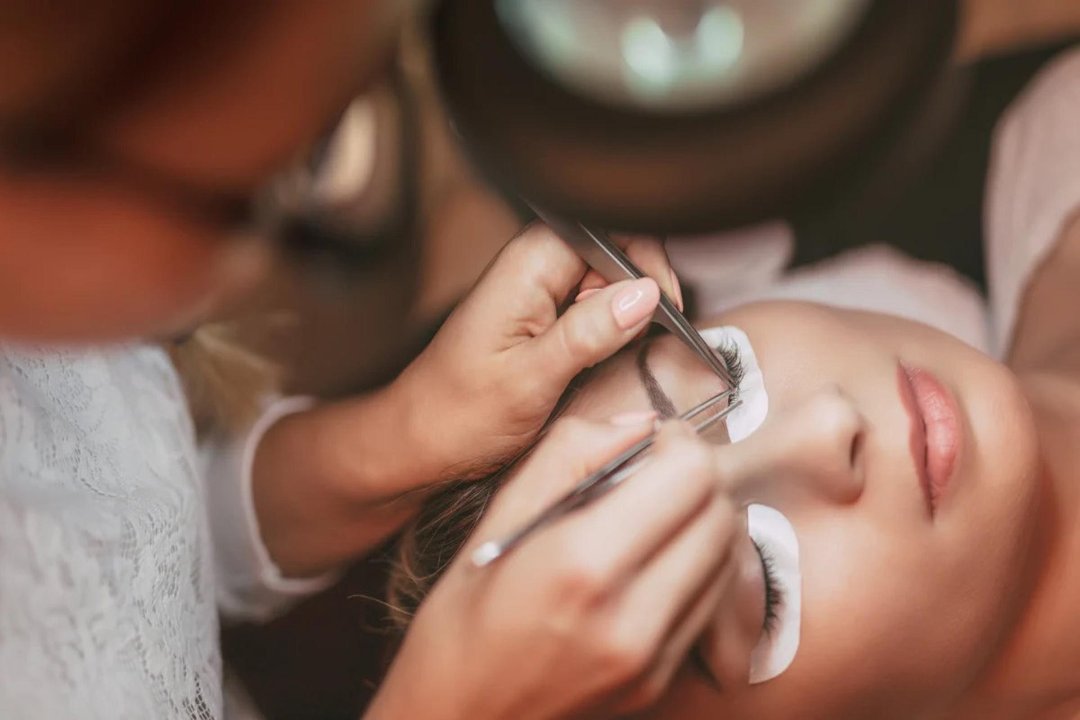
[486,554]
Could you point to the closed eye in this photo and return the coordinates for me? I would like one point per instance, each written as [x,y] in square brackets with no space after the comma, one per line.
[774,594]
[732,357]
[661,402]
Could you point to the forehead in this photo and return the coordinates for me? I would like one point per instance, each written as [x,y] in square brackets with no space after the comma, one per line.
[612,387]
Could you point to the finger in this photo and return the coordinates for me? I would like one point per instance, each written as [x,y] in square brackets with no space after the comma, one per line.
[592,281]
[669,591]
[535,268]
[590,331]
[657,598]
[649,254]
[570,451]
[610,539]
[674,650]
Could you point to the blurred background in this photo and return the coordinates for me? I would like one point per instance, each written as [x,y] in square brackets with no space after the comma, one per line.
[323,659]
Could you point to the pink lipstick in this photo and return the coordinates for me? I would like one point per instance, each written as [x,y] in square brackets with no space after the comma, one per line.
[935,430]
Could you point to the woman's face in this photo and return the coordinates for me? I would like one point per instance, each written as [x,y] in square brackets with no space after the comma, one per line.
[904,600]
[232,95]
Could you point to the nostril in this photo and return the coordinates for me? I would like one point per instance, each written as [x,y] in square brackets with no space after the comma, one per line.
[856,448]
[842,431]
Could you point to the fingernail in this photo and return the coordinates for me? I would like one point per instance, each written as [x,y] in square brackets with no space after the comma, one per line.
[634,417]
[586,294]
[635,303]
[677,289]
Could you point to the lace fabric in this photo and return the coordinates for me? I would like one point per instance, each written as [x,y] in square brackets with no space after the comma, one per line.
[107,603]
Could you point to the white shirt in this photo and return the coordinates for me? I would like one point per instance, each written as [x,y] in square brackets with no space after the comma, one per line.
[112,570]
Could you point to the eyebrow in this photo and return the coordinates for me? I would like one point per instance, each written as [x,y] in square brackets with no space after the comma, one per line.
[659,399]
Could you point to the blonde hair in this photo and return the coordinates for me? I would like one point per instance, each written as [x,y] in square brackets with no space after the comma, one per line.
[224,380]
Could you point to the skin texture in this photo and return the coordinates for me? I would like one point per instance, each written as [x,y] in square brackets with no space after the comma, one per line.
[902,613]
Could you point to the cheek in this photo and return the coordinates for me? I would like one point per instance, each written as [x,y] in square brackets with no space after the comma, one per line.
[888,622]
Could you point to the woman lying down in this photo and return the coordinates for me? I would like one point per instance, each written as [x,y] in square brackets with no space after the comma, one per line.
[916,552]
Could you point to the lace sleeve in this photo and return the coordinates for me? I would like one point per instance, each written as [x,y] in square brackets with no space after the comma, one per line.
[250,586]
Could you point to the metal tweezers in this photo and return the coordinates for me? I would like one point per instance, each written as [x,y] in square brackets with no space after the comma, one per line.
[604,480]
[605,257]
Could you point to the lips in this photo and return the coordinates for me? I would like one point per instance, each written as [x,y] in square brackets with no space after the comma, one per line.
[935,430]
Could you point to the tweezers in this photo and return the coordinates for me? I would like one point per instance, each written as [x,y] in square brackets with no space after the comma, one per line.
[605,257]
[603,480]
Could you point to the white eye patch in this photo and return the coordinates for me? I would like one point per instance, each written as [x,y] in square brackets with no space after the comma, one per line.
[749,416]
[776,537]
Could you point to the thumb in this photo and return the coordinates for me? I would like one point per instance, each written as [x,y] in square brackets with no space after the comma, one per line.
[593,329]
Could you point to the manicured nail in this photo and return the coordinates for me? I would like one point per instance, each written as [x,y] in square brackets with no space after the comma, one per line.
[634,417]
[634,303]
[677,289]
[586,294]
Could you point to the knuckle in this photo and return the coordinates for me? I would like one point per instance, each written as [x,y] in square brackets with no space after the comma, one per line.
[525,253]
[624,655]
[581,336]
[686,452]
[582,580]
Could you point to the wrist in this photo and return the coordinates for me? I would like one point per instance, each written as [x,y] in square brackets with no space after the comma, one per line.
[333,482]
[427,426]
[378,447]
[406,693]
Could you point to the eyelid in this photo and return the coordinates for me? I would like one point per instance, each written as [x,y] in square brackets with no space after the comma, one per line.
[752,391]
[774,593]
[731,354]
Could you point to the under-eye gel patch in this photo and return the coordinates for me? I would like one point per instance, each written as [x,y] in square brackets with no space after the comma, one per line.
[748,417]
[776,537]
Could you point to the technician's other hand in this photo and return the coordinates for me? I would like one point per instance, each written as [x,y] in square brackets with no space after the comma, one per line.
[594,614]
[495,370]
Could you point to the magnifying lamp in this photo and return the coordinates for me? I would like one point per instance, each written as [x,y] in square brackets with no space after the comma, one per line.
[685,116]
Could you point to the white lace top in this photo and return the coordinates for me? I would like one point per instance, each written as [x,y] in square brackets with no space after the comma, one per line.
[109,575]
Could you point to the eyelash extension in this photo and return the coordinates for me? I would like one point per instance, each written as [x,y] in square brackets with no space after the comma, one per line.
[729,353]
[774,596]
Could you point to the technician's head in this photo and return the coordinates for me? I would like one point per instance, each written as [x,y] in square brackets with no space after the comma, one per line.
[129,128]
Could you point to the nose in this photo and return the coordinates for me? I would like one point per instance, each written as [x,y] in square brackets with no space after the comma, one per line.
[812,449]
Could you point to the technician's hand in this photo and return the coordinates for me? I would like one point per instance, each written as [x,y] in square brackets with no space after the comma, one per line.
[591,616]
[492,375]
[334,482]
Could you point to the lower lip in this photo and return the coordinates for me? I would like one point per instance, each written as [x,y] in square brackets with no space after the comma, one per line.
[936,433]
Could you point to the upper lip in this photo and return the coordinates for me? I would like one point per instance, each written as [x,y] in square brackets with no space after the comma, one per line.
[917,438]
[935,430]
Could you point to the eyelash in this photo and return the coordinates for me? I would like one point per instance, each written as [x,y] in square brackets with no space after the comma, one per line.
[774,596]
[729,352]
